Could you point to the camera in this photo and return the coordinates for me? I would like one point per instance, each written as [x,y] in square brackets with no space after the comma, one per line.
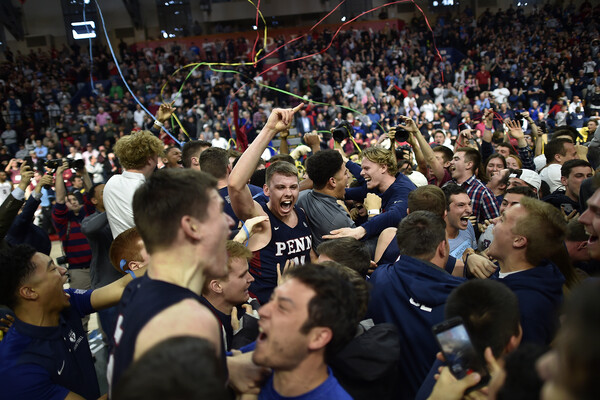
[543,127]
[75,164]
[402,135]
[520,118]
[27,162]
[343,131]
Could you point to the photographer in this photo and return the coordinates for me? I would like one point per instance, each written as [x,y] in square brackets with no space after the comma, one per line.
[12,204]
[67,214]
[23,230]
[433,161]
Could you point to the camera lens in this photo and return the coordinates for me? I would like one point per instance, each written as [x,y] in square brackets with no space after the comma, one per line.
[343,131]
[402,135]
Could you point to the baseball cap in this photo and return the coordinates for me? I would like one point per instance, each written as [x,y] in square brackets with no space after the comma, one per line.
[528,176]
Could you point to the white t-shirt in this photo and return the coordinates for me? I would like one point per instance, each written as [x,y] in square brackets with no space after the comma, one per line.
[138,117]
[118,198]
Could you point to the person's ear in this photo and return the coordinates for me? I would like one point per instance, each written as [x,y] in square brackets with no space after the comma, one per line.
[514,341]
[28,293]
[558,158]
[331,182]
[442,249]
[192,227]
[319,337]
[563,180]
[215,286]
[134,265]
[520,242]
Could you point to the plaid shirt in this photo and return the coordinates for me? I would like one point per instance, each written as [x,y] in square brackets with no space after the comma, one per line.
[482,199]
[526,156]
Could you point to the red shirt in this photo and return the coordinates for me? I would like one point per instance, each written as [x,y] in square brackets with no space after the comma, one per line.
[483,77]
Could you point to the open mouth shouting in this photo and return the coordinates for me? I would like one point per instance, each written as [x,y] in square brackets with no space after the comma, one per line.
[464,221]
[370,183]
[262,335]
[593,239]
[286,206]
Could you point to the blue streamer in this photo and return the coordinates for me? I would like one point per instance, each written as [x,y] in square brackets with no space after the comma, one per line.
[123,78]
[130,272]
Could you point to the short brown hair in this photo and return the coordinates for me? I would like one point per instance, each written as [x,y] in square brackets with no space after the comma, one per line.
[233,153]
[420,233]
[554,147]
[543,226]
[471,155]
[214,161]
[168,195]
[192,149]
[126,247]
[282,168]
[427,198]
[349,252]
[446,153]
[382,156]
[360,285]
[134,150]
[281,157]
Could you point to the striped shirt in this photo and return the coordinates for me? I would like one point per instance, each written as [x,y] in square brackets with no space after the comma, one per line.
[77,248]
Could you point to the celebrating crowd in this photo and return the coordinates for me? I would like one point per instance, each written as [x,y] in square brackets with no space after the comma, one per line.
[316,241]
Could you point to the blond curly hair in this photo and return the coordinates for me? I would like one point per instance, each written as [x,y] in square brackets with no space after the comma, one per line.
[134,150]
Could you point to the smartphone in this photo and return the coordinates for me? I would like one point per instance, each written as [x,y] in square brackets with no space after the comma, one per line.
[567,208]
[461,357]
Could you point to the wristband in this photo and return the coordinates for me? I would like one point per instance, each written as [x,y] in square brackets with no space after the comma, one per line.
[373,212]
[466,254]
[245,228]
[157,122]
[465,268]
